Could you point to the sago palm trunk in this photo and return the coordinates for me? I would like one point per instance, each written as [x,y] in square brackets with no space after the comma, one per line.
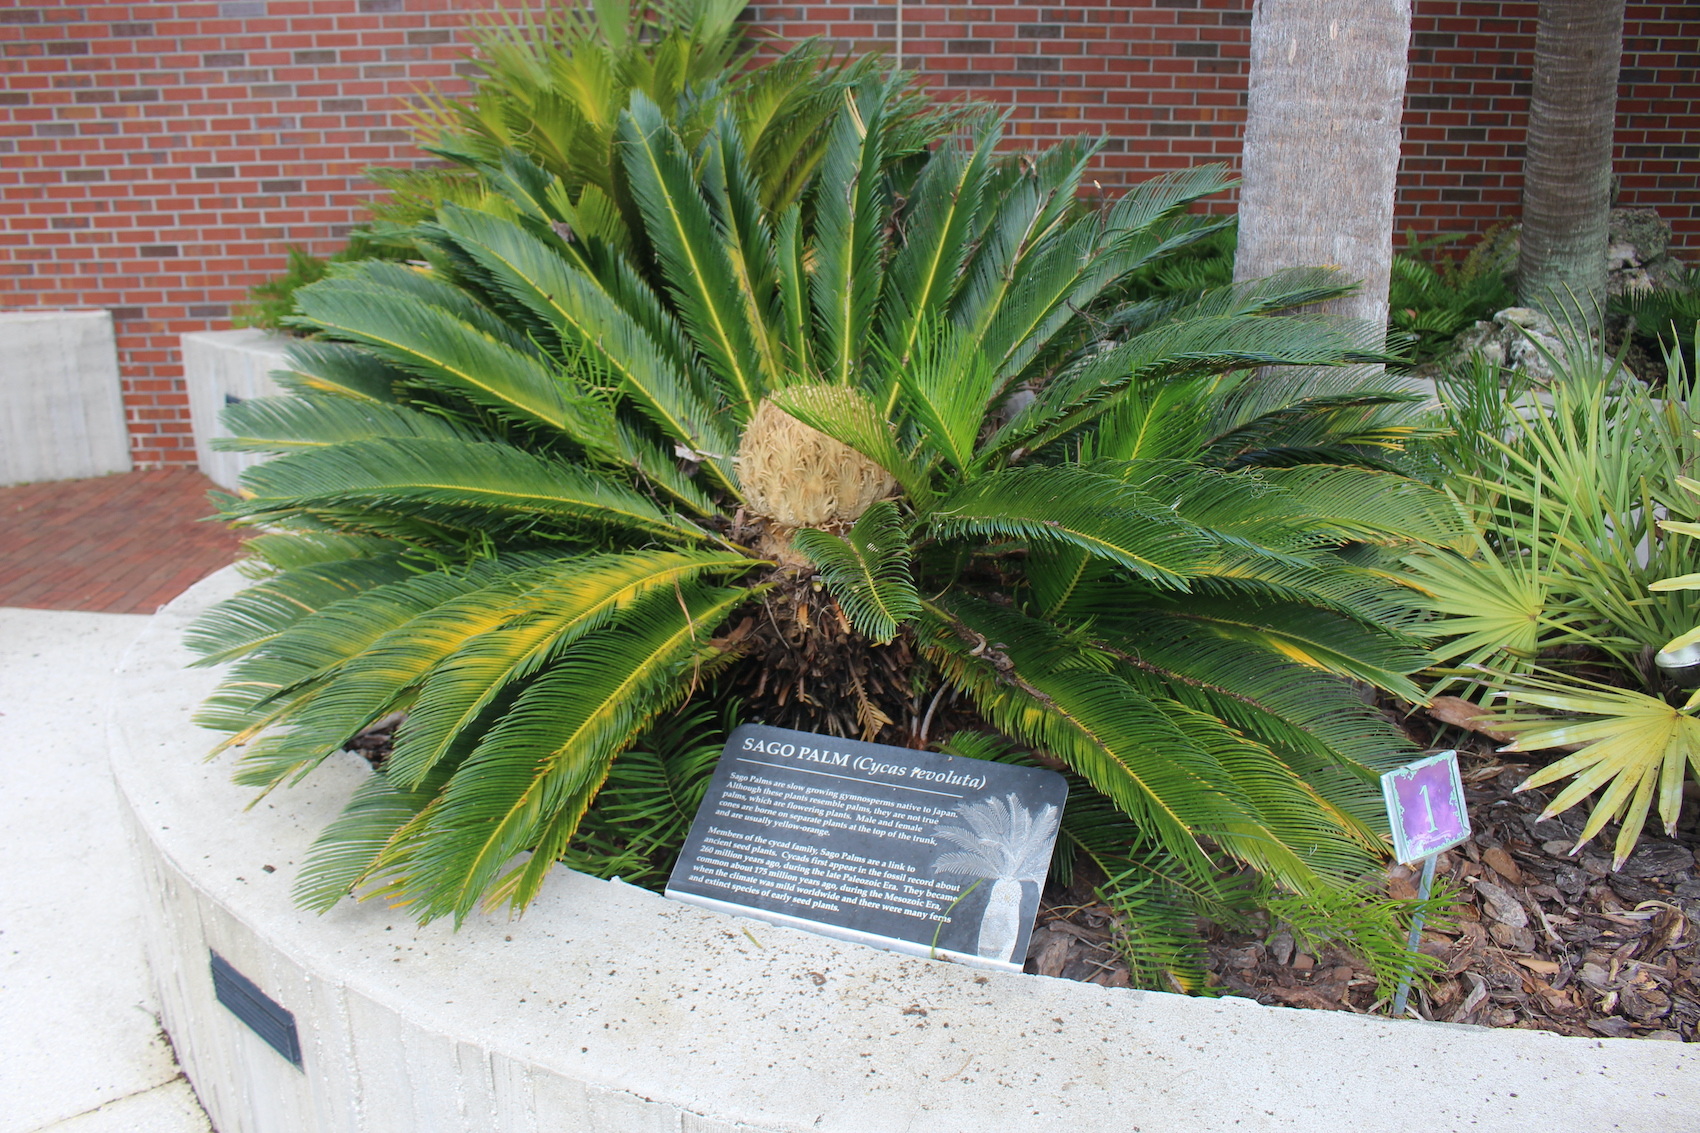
[1567,168]
[1000,924]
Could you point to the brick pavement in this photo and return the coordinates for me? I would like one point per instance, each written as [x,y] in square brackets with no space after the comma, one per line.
[122,544]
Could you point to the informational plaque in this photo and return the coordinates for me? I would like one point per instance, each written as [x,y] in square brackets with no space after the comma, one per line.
[917,852]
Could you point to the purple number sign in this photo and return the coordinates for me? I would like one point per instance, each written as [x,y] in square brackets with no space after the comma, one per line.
[1425,806]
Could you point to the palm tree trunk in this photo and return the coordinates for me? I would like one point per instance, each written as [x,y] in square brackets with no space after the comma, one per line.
[1323,115]
[1000,924]
[1567,166]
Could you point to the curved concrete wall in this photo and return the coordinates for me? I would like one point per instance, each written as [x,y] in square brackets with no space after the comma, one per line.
[606,1008]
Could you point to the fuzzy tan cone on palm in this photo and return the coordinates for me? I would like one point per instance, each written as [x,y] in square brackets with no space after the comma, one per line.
[800,477]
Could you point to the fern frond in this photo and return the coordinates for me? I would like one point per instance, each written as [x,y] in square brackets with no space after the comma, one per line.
[593,325]
[431,343]
[850,209]
[686,239]
[286,550]
[1122,743]
[287,424]
[528,783]
[1284,704]
[558,605]
[1185,346]
[459,483]
[848,417]
[946,384]
[271,682]
[938,238]
[321,367]
[247,621]
[344,853]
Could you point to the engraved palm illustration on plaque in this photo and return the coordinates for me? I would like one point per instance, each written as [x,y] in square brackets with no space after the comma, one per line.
[1003,842]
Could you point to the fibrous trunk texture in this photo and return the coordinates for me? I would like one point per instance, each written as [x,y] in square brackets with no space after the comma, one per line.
[1323,114]
[807,668]
[1561,267]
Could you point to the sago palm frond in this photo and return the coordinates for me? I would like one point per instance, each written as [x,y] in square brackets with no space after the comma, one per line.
[867,571]
[998,838]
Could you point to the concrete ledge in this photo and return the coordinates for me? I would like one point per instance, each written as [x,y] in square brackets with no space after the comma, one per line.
[61,405]
[607,1008]
[220,368]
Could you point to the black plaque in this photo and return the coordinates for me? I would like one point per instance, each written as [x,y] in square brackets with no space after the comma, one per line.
[934,855]
[264,1015]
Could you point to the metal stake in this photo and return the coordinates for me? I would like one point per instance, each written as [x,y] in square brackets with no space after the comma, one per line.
[1416,936]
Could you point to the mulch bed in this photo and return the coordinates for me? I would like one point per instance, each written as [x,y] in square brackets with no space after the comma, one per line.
[1540,939]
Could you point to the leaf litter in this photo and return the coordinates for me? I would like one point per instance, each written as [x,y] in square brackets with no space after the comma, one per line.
[1541,939]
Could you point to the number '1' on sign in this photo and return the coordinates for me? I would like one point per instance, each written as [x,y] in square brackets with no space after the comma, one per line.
[1425,807]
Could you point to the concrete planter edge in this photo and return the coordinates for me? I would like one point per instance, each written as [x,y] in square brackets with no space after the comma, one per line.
[607,1008]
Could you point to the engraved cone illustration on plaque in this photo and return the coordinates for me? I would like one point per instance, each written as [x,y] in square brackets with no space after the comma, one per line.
[1004,843]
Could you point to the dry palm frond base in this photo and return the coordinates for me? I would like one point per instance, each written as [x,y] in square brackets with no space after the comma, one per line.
[1542,940]
[809,655]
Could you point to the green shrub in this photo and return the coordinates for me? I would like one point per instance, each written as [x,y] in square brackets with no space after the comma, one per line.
[1571,492]
[271,304]
[1665,315]
[1431,298]
[552,86]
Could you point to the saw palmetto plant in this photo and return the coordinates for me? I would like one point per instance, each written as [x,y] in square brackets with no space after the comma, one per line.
[894,461]
[1578,494]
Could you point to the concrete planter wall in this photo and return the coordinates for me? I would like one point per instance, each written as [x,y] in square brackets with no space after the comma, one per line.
[61,405]
[607,1008]
[221,368]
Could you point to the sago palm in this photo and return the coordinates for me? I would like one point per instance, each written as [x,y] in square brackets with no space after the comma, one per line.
[896,462]
[552,85]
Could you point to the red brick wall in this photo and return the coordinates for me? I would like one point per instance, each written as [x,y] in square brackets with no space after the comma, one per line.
[157,158]
[1467,106]
[1165,80]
